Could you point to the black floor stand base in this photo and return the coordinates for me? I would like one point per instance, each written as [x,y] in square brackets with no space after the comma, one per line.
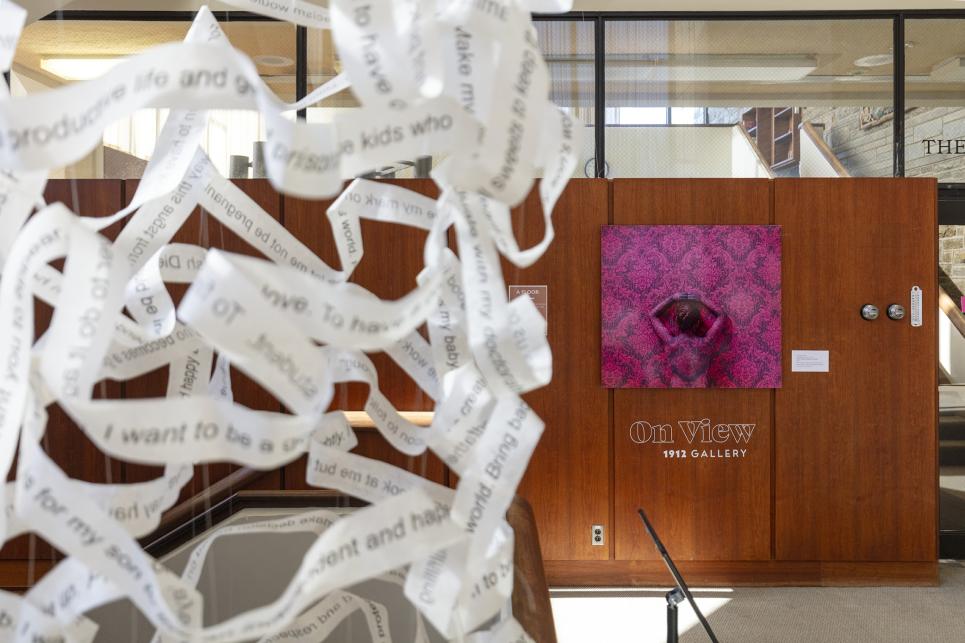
[680,593]
[674,597]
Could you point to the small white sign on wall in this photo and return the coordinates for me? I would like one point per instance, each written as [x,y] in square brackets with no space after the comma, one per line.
[810,362]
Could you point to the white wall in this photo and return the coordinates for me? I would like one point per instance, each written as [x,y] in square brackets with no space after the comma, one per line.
[951,349]
[813,161]
[745,162]
[679,152]
[668,152]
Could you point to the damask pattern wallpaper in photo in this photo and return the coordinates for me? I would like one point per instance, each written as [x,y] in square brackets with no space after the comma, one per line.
[691,306]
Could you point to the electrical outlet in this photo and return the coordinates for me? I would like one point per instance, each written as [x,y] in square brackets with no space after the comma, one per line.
[597,538]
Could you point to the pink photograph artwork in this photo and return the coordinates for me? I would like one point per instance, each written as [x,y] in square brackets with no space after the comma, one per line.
[691,306]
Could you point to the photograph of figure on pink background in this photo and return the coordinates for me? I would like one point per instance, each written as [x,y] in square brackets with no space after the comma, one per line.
[691,306]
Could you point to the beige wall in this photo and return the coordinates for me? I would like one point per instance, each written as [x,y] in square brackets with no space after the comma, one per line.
[672,152]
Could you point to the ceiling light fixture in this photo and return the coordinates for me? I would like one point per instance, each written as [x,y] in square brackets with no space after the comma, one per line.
[271,60]
[875,60]
[712,68]
[78,68]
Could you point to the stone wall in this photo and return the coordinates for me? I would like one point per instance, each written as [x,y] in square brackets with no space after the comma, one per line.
[951,260]
[864,152]
[928,124]
[867,152]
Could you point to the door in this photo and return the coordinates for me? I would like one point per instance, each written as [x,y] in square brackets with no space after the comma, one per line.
[855,447]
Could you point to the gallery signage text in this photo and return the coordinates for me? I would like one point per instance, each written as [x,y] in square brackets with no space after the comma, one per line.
[701,438]
[943,146]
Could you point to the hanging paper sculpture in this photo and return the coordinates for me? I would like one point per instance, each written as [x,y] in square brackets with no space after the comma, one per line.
[459,80]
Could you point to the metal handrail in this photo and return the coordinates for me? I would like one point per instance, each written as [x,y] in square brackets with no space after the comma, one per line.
[203,500]
[815,137]
[757,150]
[947,305]
[245,476]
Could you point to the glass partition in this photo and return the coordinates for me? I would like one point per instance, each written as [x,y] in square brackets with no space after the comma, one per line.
[567,45]
[935,125]
[935,147]
[569,49]
[749,98]
[935,104]
[323,65]
[755,97]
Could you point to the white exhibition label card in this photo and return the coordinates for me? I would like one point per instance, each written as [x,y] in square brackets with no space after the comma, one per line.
[810,362]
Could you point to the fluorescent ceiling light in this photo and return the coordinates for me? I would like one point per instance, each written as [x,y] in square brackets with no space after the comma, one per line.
[78,68]
[272,60]
[712,68]
[858,78]
[875,60]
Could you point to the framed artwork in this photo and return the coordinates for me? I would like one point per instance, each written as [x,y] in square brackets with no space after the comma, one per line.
[691,306]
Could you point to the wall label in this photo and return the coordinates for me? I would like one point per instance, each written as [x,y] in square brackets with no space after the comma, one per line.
[810,362]
[700,438]
[539,295]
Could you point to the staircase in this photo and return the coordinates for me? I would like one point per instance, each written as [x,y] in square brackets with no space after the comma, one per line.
[951,425]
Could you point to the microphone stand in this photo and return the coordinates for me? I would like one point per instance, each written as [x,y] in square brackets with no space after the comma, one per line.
[679,593]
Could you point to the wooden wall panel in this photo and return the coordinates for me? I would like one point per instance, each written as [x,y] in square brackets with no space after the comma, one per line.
[373,445]
[742,573]
[835,477]
[392,260]
[704,509]
[64,441]
[856,447]
[154,384]
[246,391]
[203,229]
[568,481]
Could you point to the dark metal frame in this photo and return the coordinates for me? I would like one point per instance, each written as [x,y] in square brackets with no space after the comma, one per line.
[599,97]
[898,89]
[951,543]
[301,67]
